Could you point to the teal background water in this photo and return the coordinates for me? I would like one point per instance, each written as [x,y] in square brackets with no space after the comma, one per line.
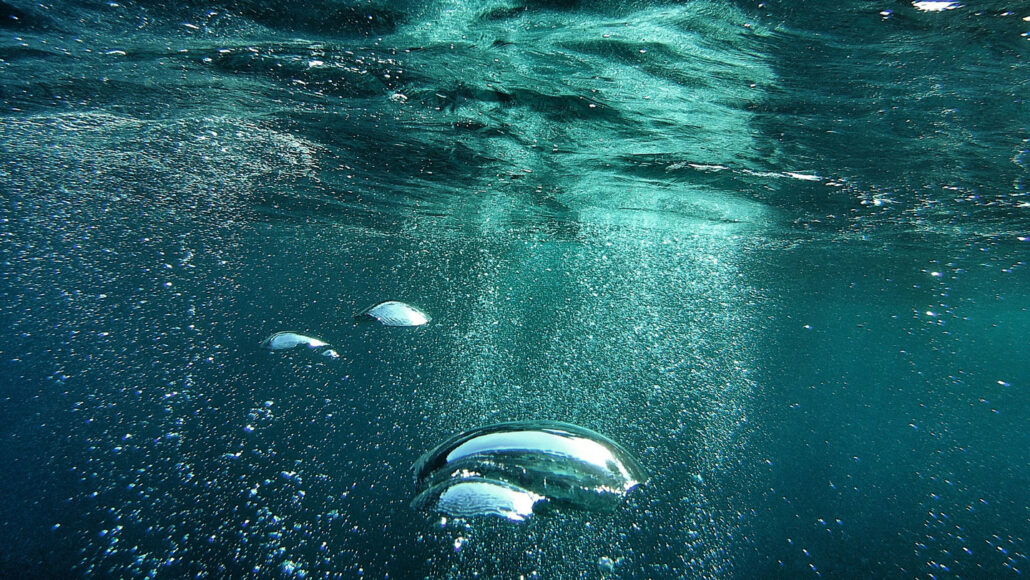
[777,250]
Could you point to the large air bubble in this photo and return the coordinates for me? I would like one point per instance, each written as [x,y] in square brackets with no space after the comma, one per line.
[513,470]
[394,313]
[286,340]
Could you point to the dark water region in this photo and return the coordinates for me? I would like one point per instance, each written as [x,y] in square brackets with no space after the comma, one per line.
[776,250]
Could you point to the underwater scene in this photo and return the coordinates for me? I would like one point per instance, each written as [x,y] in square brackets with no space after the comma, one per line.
[514,289]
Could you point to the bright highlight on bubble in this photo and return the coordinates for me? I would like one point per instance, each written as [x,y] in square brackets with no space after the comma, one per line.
[936,6]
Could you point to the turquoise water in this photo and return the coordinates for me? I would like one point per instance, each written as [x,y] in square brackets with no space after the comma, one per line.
[775,250]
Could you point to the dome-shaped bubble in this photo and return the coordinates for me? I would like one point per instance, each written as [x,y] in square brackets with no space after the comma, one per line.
[288,339]
[394,313]
[564,464]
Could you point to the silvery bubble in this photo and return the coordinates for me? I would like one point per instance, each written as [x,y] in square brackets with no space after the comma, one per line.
[287,339]
[518,468]
[394,313]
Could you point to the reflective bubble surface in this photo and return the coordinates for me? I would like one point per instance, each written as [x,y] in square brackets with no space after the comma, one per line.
[394,313]
[474,496]
[512,469]
[287,340]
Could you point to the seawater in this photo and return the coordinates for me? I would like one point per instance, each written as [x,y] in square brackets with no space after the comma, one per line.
[776,250]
